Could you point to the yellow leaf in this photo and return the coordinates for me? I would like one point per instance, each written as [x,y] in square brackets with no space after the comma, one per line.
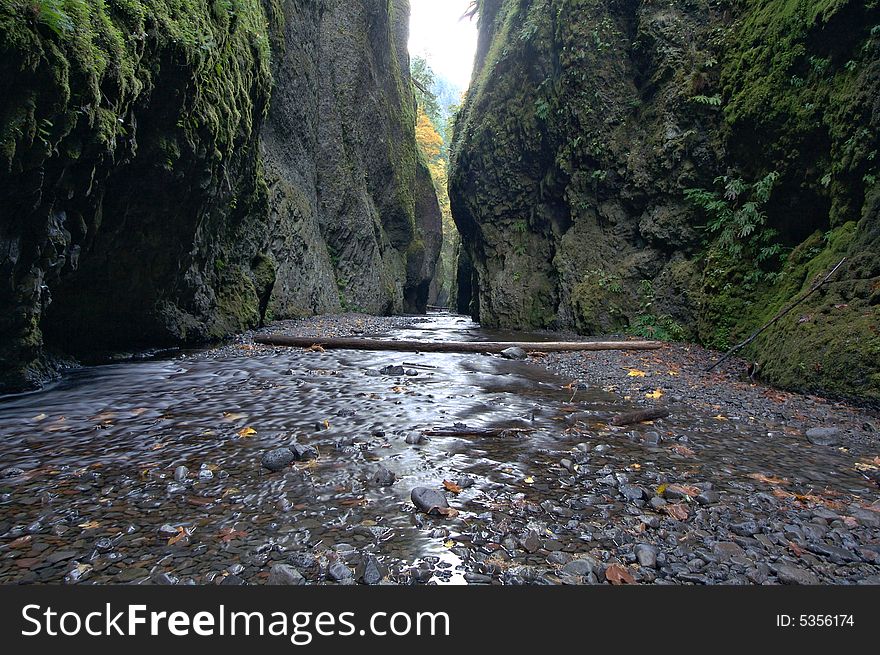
[529,480]
[673,373]
[449,543]
[89,526]
[654,395]
[661,489]
[159,446]
[636,373]
[719,417]
[246,432]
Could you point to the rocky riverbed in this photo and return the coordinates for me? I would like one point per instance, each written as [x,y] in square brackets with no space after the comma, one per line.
[248,464]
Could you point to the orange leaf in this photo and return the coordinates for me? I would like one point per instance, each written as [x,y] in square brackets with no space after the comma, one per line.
[228,534]
[246,432]
[182,533]
[684,489]
[618,575]
[451,486]
[447,512]
[683,450]
[797,550]
[769,479]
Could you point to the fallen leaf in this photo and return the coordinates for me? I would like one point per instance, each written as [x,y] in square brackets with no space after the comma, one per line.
[447,512]
[529,480]
[654,395]
[684,489]
[40,417]
[636,373]
[315,348]
[452,487]
[683,450]
[232,416]
[719,417]
[228,534]
[246,432]
[678,512]
[182,533]
[797,550]
[618,575]
[661,489]
[769,479]
[90,525]
[159,446]
[449,543]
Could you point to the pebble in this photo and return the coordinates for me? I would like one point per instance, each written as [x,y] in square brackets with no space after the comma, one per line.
[284,574]
[646,555]
[339,572]
[181,473]
[383,477]
[790,574]
[415,438]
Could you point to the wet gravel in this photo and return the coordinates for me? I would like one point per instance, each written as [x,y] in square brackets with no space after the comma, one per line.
[248,464]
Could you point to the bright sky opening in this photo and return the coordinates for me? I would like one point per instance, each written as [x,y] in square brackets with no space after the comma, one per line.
[439,34]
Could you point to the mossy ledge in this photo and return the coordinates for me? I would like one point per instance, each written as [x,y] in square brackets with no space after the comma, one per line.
[590,124]
[149,195]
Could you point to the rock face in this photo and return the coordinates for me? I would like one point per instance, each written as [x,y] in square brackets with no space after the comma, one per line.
[583,177]
[181,171]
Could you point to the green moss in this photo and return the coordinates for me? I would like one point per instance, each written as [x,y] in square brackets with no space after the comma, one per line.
[90,67]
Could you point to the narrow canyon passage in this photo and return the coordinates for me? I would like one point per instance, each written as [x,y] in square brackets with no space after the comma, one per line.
[92,490]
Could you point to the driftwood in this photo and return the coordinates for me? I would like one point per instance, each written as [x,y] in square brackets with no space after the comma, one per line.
[773,320]
[474,432]
[651,414]
[451,346]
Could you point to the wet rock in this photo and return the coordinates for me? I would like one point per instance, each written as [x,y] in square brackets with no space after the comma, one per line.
[657,503]
[383,477]
[531,542]
[206,474]
[370,571]
[415,438]
[708,497]
[631,491]
[306,563]
[866,517]
[11,472]
[834,553]
[285,574]
[646,555]
[791,574]
[164,578]
[303,453]
[823,436]
[181,473]
[103,545]
[233,581]
[584,566]
[393,370]
[277,459]
[166,531]
[410,372]
[745,529]
[725,550]
[339,572]
[346,411]
[428,500]
[514,352]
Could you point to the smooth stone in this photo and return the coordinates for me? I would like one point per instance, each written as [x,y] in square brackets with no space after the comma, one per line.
[514,352]
[415,438]
[304,453]
[823,436]
[631,491]
[339,572]
[181,473]
[646,555]
[285,574]
[428,500]
[745,529]
[277,459]
[383,477]
[393,370]
[708,497]
[370,571]
[790,574]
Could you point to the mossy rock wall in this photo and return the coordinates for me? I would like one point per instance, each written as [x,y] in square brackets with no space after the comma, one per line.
[179,170]
[587,121]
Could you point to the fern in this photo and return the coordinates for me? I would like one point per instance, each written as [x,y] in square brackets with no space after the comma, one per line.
[712,101]
[735,217]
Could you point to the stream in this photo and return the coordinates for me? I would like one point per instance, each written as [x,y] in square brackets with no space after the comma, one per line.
[91,489]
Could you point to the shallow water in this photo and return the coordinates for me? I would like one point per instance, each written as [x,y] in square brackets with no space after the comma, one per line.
[100,448]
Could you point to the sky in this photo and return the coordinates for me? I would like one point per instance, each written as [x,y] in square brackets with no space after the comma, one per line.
[437,34]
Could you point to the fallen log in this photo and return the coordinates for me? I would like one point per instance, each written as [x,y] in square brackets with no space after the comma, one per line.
[475,432]
[450,346]
[640,416]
